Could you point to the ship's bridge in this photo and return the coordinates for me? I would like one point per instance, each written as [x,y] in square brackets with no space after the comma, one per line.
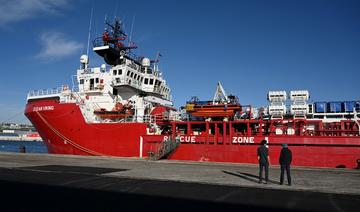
[130,74]
[126,77]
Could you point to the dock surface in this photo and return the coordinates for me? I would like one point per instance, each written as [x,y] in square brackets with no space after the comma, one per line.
[69,183]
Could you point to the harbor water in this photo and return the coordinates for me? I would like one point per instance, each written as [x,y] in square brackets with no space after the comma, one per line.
[18,146]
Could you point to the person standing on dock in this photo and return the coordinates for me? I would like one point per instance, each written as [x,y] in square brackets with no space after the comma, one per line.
[285,161]
[264,161]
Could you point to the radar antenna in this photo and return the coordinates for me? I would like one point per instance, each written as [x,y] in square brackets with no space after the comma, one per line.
[88,44]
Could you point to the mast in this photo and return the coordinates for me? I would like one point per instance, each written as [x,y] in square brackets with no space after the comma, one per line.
[111,44]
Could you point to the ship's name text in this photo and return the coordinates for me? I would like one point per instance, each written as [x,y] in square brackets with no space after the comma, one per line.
[42,108]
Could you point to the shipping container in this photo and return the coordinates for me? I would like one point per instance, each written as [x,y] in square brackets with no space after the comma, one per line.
[334,107]
[349,106]
[320,107]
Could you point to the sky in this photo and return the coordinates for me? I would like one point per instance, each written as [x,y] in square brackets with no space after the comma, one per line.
[250,46]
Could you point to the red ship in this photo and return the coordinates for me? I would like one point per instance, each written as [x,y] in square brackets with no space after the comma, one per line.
[124,109]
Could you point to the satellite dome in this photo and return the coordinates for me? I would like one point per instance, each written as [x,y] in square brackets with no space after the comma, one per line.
[145,62]
[103,66]
[84,59]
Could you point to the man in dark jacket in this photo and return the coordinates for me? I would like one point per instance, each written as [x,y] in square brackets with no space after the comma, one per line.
[285,161]
[264,161]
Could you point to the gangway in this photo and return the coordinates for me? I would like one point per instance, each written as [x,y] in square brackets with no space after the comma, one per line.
[164,149]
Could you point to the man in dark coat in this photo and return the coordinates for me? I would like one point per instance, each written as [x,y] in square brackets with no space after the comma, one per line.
[285,161]
[264,161]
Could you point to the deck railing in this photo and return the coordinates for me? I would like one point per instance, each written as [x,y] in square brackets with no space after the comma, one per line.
[47,92]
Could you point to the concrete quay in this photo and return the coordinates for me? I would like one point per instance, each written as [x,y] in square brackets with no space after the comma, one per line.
[67,183]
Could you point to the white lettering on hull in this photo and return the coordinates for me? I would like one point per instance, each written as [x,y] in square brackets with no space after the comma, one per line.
[42,108]
[192,139]
[187,139]
[240,140]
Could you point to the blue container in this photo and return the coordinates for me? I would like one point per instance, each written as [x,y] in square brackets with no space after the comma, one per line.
[357,106]
[334,107]
[349,106]
[320,107]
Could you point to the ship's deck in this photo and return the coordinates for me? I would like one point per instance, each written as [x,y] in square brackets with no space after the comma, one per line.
[68,183]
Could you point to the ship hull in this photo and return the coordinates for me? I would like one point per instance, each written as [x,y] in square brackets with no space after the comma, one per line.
[64,131]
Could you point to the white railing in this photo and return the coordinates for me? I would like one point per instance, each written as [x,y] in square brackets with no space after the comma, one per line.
[144,119]
[47,92]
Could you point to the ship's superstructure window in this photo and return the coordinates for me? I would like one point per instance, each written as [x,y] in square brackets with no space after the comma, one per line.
[120,72]
[81,81]
[92,84]
[151,81]
[132,74]
[115,92]
[114,72]
[146,81]
[128,73]
[96,80]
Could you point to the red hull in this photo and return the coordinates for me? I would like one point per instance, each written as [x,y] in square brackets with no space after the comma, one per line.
[65,131]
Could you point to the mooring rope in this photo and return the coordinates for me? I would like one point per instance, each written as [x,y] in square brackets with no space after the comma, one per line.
[74,144]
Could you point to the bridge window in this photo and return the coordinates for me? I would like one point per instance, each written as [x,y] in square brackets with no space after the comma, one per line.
[132,74]
[96,80]
[135,76]
[81,81]
[120,72]
[146,81]
[128,73]
[115,91]
[151,81]
[114,72]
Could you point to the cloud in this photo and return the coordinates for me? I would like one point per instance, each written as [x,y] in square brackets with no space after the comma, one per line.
[57,46]
[12,11]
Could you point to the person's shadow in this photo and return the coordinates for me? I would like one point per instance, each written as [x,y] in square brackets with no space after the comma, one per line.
[247,176]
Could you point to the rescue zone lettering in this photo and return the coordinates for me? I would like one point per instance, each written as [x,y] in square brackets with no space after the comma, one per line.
[192,139]
[183,139]
[243,140]
[187,139]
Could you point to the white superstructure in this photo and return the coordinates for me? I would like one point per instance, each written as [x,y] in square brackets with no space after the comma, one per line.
[127,88]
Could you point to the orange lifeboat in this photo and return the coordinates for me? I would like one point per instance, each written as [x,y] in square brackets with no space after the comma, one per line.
[118,112]
[212,110]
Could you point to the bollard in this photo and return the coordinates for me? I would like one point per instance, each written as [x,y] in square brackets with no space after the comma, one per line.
[22,149]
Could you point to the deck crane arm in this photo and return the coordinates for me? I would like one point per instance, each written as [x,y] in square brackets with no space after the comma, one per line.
[220,95]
